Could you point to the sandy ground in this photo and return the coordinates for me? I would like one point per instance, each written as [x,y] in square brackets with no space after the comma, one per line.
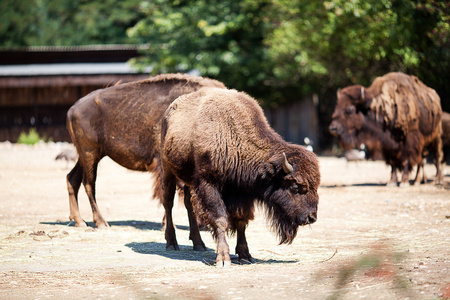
[370,241]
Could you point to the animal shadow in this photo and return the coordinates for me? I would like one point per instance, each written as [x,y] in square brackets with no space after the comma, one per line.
[186,253]
[142,225]
[355,185]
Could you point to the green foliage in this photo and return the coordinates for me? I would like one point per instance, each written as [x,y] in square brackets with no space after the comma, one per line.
[30,138]
[66,22]
[221,39]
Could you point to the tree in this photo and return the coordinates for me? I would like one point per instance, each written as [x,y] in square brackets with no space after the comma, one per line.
[66,22]
[220,39]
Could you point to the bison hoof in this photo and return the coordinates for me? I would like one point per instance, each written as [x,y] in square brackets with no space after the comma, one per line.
[172,247]
[223,264]
[102,225]
[80,224]
[404,184]
[245,261]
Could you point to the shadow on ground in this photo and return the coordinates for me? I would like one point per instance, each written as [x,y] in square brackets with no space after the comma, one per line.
[371,184]
[352,185]
[142,225]
[186,253]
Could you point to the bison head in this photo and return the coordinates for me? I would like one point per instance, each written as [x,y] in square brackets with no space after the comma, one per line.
[348,116]
[292,198]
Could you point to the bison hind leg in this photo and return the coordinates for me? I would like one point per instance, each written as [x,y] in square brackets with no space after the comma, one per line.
[242,211]
[169,187]
[194,231]
[74,179]
[241,246]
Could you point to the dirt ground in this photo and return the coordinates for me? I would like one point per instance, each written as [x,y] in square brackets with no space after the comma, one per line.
[370,241]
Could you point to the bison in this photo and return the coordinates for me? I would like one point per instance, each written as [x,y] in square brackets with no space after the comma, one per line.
[445,137]
[218,143]
[123,122]
[399,111]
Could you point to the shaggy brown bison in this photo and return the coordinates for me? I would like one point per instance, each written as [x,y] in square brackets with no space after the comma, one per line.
[219,143]
[445,137]
[399,111]
[122,122]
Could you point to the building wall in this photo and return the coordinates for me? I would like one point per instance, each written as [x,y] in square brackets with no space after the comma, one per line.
[296,121]
[42,103]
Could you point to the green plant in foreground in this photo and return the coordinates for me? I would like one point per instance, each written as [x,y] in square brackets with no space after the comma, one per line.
[30,138]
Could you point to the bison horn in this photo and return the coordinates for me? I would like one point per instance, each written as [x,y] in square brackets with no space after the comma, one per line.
[287,167]
[362,93]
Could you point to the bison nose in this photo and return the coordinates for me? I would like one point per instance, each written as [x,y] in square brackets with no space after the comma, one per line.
[311,218]
[334,128]
[308,218]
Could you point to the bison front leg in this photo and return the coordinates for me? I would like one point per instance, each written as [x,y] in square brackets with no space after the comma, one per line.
[405,175]
[438,160]
[420,168]
[223,259]
[393,181]
[212,204]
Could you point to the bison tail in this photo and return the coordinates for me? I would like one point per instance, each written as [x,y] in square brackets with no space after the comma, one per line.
[157,184]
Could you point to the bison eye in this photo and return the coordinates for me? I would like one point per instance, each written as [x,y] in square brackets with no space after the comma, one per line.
[350,110]
[298,189]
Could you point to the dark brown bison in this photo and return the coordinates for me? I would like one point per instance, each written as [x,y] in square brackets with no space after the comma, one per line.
[445,137]
[122,122]
[399,111]
[219,143]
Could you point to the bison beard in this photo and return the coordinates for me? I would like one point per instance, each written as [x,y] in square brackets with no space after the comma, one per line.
[219,143]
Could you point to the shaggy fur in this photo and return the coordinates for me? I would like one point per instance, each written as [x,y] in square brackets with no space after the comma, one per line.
[219,143]
[122,122]
[399,111]
[446,135]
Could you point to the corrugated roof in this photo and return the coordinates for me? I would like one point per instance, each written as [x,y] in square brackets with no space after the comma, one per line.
[113,47]
[68,69]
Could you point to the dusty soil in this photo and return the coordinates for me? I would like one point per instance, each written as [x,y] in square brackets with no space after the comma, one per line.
[370,241]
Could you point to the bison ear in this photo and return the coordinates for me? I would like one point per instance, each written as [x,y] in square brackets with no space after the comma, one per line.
[266,171]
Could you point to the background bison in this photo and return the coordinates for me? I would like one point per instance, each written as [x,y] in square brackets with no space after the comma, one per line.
[122,122]
[219,143]
[399,111]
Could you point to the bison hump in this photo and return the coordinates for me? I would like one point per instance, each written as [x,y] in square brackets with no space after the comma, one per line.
[400,103]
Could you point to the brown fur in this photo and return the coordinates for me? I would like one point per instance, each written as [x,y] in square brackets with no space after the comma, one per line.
[399,111]
[123,122]
[219,143]
[446,135]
